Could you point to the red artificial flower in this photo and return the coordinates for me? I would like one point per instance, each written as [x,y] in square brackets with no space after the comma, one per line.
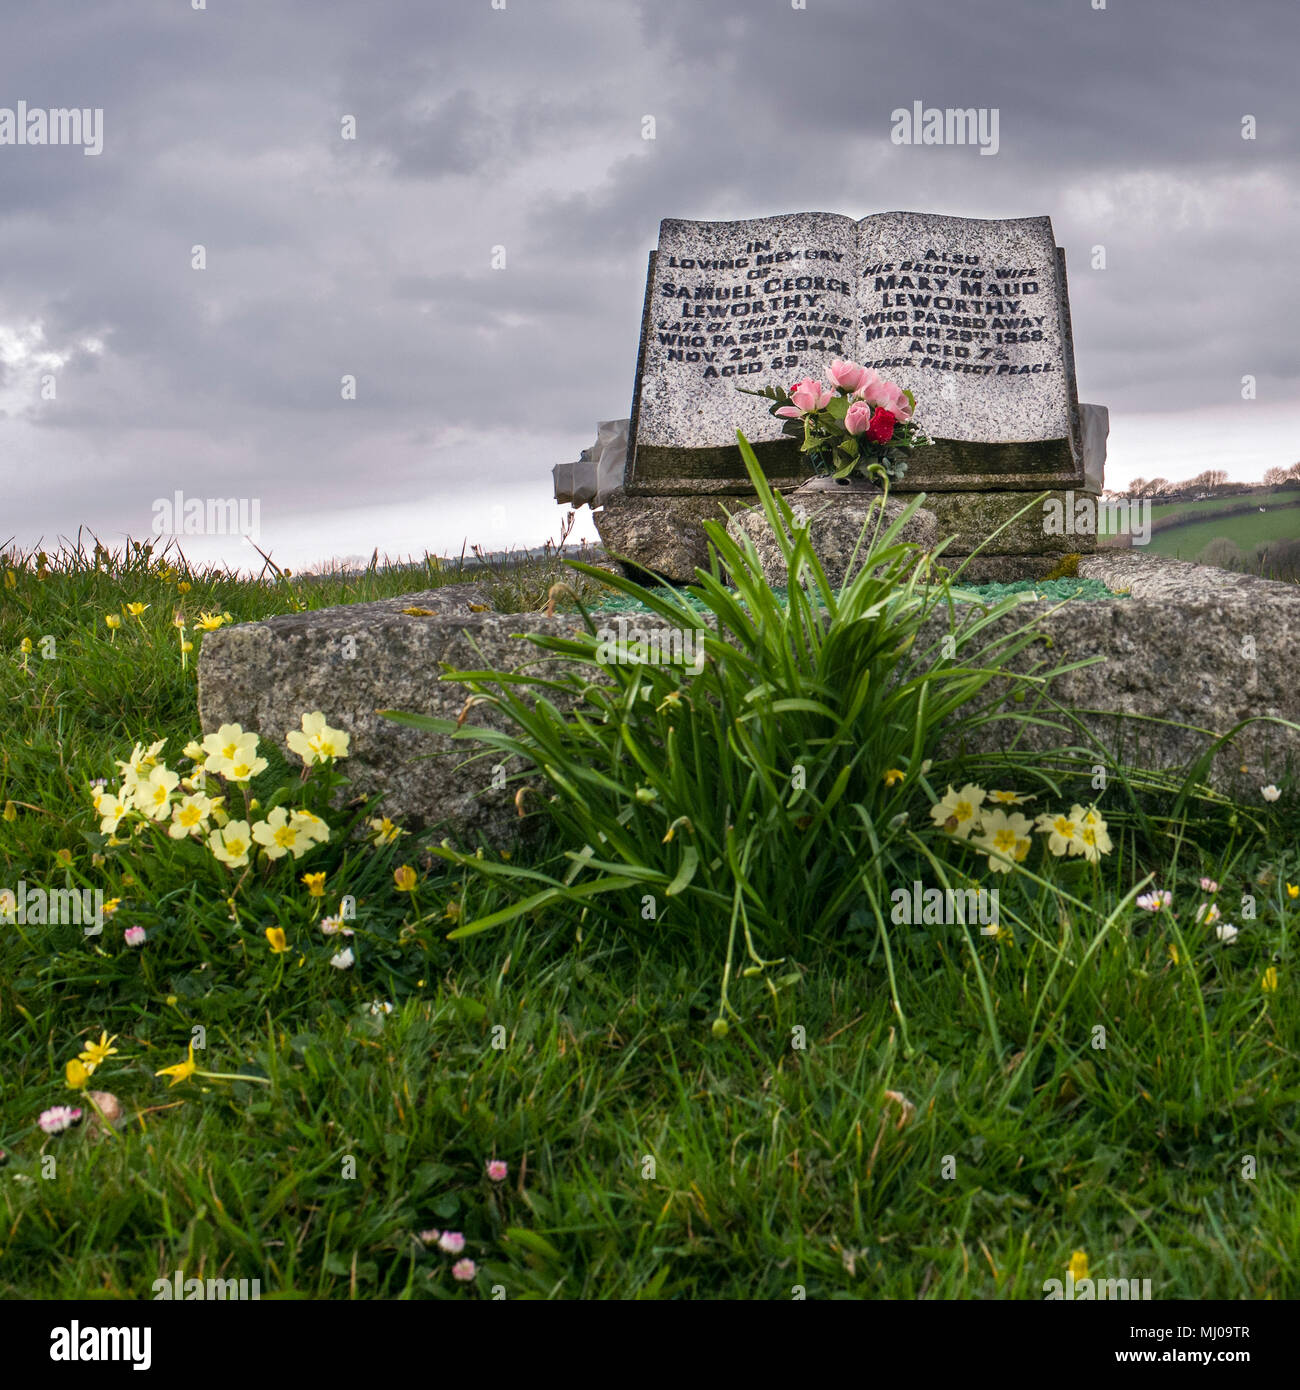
[881,428]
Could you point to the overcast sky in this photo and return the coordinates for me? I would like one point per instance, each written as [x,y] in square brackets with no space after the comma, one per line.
[521,127]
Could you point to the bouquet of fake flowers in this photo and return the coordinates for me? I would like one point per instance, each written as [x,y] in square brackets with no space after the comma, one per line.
[858,421]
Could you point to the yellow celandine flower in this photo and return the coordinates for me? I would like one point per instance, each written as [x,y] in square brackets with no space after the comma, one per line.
[1078,1265]
[452,914]
[315,884]
[112,621]
[25,646]
[76,1074]
[97,1053]
[276,937]
[135,609]
[894,776]
[956,813]
[1062,833]
[404,878]
[183,586]
[1003,834]
[63,857]
[182,1071]
[190,816]
[278,835]
[10,811]
[1293,890]
[1268,981]
[11,579]
[111,906]
[317,741]
[231,843]
[210,622]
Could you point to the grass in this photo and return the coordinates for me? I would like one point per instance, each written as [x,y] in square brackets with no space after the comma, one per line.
[647,1157]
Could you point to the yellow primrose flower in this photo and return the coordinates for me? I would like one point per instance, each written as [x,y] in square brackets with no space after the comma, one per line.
[385,832]
[1268,981]
[153,796]
[315,884]
[311,826]
[1062,833]
[1003,834]
[956,812]
[182,1071]
[230,744]
[190,816]
[278,835]
[210,622]
[275,935]
[894,776]
[404,878]
[76,1074]
[231,843]
[1078,1265]
[193,750]
[1009,798]
[317,741]
[1092,837]
[97,1053]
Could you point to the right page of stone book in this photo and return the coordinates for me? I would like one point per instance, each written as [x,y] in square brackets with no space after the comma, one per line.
[972,316]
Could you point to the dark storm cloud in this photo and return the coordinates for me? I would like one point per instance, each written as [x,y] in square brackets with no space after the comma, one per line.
[480,128]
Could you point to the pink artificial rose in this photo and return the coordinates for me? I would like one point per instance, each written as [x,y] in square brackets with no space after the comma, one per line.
[896,403]
[848,376]
[867,386]
[858,417]
[807,395]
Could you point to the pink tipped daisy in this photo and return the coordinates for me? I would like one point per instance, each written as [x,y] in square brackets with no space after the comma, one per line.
[134,936]
[430,1237]
[464,1270]
[1154,901]
[497,1169]
[1208,885]
[452,1242]
[58,1118]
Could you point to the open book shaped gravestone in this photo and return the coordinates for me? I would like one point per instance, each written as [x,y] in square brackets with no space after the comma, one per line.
[973,316]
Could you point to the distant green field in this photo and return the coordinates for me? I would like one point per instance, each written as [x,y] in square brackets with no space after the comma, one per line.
[1246,530]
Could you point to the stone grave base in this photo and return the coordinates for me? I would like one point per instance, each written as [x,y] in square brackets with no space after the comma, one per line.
[1174,651]
[835,525]
[661,535]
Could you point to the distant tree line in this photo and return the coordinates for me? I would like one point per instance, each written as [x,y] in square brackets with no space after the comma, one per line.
[1213,482]
[1270,559]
